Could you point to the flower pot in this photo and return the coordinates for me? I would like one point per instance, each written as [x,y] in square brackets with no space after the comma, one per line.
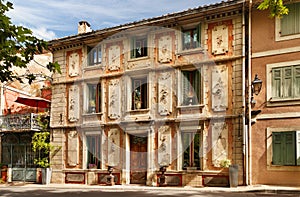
[233,175]
[46,176]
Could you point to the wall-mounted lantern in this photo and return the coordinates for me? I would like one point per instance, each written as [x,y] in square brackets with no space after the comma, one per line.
[255,88]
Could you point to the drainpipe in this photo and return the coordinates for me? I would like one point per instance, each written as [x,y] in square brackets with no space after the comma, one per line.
[244,94]
[249,180]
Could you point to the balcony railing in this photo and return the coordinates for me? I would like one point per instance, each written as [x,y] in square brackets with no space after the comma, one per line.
[19,122]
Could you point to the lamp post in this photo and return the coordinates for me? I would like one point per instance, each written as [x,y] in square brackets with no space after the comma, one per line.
[256,85]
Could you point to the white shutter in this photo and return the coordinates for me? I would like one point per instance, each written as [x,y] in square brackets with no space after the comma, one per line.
[298,148]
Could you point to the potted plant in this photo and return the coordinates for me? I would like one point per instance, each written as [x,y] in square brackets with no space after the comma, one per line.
[233,172]
[41,145]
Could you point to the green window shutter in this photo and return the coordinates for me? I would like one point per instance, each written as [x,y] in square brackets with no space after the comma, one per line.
[289,148]
[276,83]
[277,145]
[298,147]
[287,82]
[296,84]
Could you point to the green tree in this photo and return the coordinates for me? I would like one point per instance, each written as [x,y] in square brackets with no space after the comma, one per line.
[18,47]
[276,7]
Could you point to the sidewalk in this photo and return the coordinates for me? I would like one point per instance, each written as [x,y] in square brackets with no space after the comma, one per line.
[254,188]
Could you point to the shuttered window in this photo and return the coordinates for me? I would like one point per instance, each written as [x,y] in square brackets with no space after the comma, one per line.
[191,87]
[286,82]
[286,148]
[290,24]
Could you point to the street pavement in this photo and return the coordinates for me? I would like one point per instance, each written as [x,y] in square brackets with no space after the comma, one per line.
[74,190]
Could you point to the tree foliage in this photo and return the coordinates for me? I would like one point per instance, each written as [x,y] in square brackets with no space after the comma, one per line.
[276,7]
[41,142]
[18,47]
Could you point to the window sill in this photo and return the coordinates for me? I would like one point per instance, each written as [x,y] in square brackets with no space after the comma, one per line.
[92,114]
[190,51]
[138,59]
[94,67]
[283,102]
[139,110]
[283,168]
[199,106]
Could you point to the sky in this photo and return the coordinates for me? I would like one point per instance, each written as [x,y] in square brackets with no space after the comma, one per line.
[51,19]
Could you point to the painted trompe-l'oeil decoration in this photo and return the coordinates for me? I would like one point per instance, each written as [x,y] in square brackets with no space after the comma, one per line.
[114,96]
[114,57]
[220,39]
[113,147]
[219,88]
[165,93]
[165,49]
[73,103]
[72,148]
[73,59]
[219,142]
[164,146]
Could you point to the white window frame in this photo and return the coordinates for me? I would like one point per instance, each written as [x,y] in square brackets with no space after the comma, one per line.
[86,98]
[284,101]
[278,36]
[269,147]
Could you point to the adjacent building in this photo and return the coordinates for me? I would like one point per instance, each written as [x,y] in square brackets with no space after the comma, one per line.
[166,93]
[274,134]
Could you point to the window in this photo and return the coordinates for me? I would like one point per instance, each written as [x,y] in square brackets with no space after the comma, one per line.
[94,98]
[94,55]
[191,38]
[139,93]
[139,47]
[191,149]
[286,148]
[290,24]
[94,151]
[190,88]
[286,82]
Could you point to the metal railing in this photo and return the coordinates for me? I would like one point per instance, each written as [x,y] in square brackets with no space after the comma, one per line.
[19,122]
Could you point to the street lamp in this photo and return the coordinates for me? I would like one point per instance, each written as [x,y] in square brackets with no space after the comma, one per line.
[255,87]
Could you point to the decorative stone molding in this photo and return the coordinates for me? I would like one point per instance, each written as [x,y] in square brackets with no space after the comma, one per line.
[219,142]
[114,57]
[114,99]
[113,147]
[164,145]
[219,88]
[73,61]
[72,148]
[165,93]
[165,49]
[220,39]
[73,109]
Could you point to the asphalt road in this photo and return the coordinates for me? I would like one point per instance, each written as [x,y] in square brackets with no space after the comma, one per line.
[89,192]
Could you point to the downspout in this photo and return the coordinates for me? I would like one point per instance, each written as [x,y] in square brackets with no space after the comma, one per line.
[249,181]
[244,94]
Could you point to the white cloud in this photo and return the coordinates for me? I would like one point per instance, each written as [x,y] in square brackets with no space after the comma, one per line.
[60,18]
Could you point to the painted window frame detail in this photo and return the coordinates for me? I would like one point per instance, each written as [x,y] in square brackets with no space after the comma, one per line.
[139,47]
[94,55]
[93,105]
[271,70]
[279,24]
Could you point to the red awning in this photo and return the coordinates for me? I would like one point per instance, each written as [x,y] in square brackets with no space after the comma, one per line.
[34,101]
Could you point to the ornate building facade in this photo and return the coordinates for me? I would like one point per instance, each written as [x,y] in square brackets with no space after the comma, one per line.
[160,93]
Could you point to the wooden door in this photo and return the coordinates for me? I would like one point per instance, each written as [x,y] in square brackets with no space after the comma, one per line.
[138,159]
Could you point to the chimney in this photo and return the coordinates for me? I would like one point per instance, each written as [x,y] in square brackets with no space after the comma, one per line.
[84,27]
